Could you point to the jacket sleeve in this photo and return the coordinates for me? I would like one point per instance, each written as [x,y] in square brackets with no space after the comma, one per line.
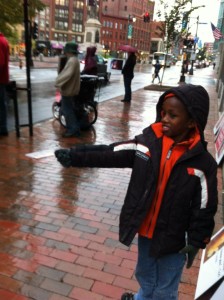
[201,224]
[117,155]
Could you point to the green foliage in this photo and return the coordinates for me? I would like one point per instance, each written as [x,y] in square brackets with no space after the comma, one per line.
[12,15]
[201,55]
[173,16]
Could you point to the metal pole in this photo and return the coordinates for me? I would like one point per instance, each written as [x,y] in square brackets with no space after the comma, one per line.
[27,26]
[191,72]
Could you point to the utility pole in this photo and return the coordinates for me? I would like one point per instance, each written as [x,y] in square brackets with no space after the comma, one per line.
[193,55]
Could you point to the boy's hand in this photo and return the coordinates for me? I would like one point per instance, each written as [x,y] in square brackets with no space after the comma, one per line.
[191,252]
[63,156]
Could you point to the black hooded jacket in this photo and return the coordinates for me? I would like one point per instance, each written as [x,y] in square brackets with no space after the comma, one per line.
[190,198]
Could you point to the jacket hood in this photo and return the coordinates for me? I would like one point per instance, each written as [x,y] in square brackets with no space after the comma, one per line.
[90,51]
[196,100]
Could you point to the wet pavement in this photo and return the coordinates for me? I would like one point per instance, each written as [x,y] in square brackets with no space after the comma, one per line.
[59,227]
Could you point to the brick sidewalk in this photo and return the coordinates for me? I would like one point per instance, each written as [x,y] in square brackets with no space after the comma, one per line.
[59,227]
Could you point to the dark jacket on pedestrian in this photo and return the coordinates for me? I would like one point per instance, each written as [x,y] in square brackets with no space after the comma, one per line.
[128,69]
[157,66]
[189,200]
[90,62]
[4,60]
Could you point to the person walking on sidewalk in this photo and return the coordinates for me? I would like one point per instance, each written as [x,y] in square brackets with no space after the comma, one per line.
[172,195]
[128,75]
[4,80]
[157,68]
[68,82]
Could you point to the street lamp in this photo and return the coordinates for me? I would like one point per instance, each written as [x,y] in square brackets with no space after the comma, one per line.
[193,55]
[130,27]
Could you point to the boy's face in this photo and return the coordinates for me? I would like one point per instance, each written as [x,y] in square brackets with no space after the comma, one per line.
[176,121]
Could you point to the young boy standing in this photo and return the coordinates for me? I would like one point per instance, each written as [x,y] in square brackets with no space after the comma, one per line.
[172,195]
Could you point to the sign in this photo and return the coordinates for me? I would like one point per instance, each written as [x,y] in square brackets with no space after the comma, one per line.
[219,139]
[193,56]
[130,31]
[115,65]
[212,265]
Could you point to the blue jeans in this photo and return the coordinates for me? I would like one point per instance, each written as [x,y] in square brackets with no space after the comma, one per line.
[3,109]
[72,123]
[158,277]
[127,88]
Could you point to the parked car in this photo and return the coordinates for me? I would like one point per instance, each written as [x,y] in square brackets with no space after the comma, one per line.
[101,65]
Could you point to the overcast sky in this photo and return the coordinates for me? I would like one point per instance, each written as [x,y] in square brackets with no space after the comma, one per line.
[206,14]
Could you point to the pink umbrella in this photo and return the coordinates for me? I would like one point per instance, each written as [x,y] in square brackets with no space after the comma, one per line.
[127,48]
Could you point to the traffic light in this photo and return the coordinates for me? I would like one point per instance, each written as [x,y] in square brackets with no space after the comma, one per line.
[35,31]
[189,43]
[184,21]
[146,17]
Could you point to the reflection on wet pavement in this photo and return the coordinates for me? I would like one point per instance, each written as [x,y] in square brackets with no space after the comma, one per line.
[59,227]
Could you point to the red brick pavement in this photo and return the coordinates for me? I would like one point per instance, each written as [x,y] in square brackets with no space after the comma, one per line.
[59,227]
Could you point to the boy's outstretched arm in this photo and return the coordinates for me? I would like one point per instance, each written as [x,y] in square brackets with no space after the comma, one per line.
[117,155]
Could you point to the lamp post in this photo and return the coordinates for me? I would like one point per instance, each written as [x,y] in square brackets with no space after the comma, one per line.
[193,55]
[130,27]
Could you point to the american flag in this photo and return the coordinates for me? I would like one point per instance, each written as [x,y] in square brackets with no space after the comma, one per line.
[216,32]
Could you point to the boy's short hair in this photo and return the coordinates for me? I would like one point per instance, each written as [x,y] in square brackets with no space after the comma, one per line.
[196,100]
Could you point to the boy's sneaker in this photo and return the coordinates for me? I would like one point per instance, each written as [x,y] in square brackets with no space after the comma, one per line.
[127,296]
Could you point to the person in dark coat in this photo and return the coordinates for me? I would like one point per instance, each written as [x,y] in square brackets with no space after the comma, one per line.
[172,195]
[128,75]
[4,80]
[90,62]
[157,68]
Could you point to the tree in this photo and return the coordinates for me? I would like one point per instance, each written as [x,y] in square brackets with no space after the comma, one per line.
[175,25]
[12,15]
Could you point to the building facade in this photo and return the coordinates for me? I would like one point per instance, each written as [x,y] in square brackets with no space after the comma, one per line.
[64,20]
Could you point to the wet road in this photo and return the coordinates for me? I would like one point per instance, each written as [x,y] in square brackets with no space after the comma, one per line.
[43,90]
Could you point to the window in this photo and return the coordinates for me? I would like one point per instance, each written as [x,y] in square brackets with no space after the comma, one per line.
[78,4]
[61,25]
[62,2]
[77,15]
[77,27]
[61,13]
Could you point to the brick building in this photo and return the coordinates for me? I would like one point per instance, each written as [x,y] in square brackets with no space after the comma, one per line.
[64,20]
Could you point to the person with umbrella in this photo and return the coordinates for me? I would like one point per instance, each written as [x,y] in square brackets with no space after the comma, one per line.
[128,75]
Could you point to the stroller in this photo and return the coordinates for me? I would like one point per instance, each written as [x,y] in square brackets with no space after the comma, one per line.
[85,107]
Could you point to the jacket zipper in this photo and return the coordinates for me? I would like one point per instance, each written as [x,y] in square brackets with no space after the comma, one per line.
[159,183]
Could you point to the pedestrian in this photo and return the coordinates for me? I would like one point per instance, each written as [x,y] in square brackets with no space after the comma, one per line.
[4,80]
[157,68]
[68,82]
[90,61]
[172,197]
[214,64]
[128,75]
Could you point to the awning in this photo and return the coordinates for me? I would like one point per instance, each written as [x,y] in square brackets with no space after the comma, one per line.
[57,46]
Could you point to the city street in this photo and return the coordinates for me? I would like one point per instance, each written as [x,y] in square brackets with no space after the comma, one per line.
[43,90]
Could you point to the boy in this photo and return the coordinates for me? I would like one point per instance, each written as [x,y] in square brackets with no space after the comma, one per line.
[172,195]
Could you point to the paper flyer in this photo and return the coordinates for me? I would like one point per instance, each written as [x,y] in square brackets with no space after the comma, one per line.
[41,154]
[212,264]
